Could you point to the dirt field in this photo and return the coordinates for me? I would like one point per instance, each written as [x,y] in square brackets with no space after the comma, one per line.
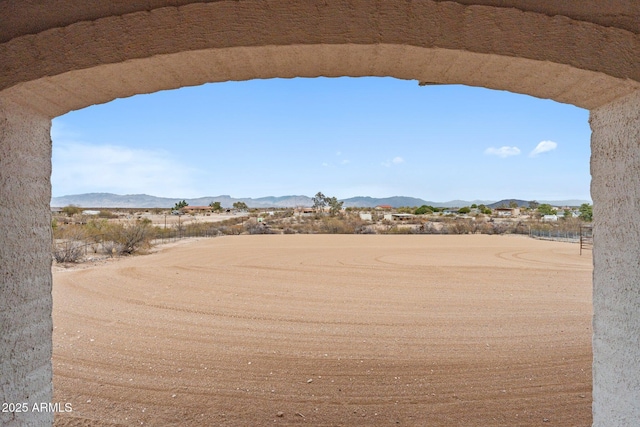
[328,330]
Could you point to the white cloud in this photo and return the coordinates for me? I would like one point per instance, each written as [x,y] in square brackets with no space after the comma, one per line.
[395,161]
[336,162]
[81,168]
[543,147]
[502,151]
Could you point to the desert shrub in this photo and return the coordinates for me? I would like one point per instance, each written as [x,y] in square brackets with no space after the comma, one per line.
[461,227]
[485,228]
[500,227]
[163,233]
[58,230]
[71,210]
[69,244]
[71,232]
[231,230]
[399,230]
[231,226]
[257,228]
[521,228]
[334,225]
[429,227]
[364,229]
[96,229]
[107,215]
[198,229]
[68,251]
[127,238]
[112,248]
[308,226]
[64,230]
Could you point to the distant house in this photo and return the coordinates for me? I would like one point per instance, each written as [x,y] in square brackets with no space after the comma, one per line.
[402,217]
[196,209]
[304,211]
[384,207]
[550,218]
[365,216]
[507,212]
[574,213]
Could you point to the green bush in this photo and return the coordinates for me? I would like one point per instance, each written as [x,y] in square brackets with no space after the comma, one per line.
[107,215]
[71,210]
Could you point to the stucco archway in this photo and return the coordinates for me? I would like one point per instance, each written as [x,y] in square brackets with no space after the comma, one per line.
[64,56]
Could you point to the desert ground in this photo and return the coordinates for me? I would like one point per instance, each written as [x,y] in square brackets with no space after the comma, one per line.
[328,330]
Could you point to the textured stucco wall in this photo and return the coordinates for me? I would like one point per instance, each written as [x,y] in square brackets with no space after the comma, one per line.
[61,55]
[615,189]
[33,16]
[25,264]
[119,50]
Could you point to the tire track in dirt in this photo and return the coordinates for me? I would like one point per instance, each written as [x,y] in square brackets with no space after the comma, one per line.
[550,262]
[345,330]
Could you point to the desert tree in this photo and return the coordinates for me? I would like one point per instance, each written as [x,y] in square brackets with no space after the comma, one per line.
[180,205]
[485,210]
[319,201]
[546,209]
[241,206]
[424,209]
[586,212]
[334,205]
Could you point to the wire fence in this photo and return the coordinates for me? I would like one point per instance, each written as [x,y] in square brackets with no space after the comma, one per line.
[586,238]
[172,235]
[76,248]
[557,235]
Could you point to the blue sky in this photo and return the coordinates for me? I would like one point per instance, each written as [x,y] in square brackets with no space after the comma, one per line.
[345,137]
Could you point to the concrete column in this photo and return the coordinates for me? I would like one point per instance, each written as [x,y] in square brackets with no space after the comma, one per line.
[615,189]
[25,265]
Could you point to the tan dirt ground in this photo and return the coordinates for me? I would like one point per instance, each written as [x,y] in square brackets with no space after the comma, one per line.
[329,330]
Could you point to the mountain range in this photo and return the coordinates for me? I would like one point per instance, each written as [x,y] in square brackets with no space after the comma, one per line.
[109,200]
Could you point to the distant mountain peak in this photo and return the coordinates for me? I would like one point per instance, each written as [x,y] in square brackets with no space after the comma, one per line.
[110,200]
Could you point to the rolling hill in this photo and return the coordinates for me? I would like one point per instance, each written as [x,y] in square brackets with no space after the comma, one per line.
[109,200]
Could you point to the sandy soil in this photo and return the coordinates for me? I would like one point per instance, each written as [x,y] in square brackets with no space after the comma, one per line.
[326,330]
